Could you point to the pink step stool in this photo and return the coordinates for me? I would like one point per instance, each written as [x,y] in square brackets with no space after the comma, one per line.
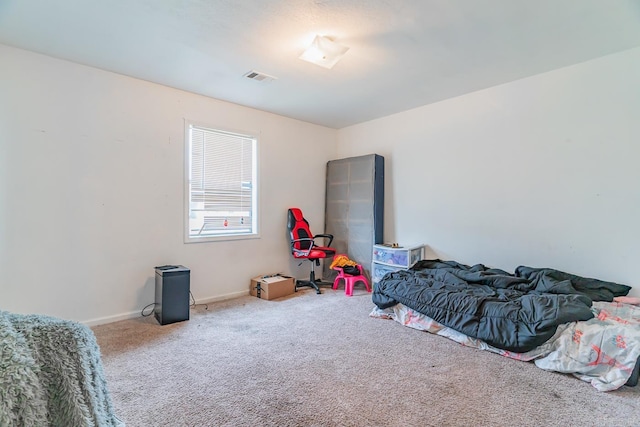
[349,280]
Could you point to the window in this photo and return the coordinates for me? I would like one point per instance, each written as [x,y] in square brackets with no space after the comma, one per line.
[221,185]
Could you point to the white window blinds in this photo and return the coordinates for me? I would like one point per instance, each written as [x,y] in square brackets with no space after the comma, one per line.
[222,172]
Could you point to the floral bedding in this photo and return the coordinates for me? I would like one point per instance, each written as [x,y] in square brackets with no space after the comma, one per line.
[603,350]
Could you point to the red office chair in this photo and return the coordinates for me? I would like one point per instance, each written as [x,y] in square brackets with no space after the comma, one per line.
[303,246]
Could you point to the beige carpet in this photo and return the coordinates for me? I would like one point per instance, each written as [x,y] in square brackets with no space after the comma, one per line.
[320,360]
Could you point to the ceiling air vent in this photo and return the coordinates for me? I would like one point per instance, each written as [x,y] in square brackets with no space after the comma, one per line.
[259,77]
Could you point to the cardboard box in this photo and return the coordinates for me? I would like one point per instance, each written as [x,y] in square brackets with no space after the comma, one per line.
[272,287]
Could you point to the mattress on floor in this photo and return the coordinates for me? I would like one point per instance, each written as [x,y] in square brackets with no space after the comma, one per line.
[604,350]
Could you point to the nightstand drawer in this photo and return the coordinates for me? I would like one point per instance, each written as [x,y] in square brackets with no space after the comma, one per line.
[379,270]
[402,257]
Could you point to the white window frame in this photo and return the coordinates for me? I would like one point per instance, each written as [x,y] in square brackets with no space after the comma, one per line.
[255,216]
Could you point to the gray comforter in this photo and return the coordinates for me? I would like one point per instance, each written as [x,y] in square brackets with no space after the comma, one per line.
[515,312]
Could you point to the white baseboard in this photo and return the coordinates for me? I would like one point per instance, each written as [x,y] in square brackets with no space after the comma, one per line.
[111,319]
[222,297]
[137,313]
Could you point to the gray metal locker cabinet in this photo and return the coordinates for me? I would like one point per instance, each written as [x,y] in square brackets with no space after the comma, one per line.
[354,208]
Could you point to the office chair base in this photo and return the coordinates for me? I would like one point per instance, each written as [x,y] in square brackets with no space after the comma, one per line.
[312,284]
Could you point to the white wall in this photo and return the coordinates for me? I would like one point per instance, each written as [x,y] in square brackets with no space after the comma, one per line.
[91,190]
[542,172]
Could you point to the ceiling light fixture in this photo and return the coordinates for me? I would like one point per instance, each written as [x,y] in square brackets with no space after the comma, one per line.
[324,52]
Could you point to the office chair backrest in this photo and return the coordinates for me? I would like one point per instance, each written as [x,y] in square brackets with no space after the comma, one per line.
[299,229]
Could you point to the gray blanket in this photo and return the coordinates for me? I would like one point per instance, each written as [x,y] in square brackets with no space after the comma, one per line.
[51,374]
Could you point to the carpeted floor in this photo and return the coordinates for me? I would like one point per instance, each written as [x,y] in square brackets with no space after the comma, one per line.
[320,360]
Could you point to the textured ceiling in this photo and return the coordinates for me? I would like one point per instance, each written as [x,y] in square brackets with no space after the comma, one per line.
[403,53]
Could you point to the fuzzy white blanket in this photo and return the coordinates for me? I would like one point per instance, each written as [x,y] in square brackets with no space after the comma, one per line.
[51,374]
